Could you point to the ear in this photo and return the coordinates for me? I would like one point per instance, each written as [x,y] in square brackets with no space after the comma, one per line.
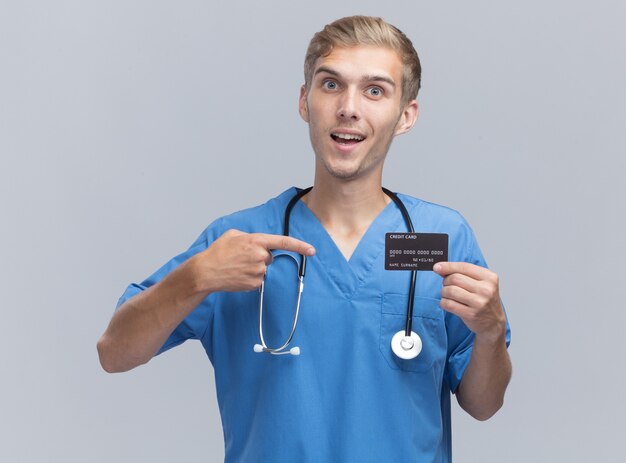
[407,118]
[303,107]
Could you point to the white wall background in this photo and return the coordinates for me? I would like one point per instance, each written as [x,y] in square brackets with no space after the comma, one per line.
[127,126]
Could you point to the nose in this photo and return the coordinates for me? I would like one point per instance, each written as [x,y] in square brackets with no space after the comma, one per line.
[349,106]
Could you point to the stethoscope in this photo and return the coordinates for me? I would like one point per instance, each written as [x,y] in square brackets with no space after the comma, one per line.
[406,344]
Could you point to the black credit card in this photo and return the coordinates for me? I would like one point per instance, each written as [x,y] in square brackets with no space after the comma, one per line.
[415,251]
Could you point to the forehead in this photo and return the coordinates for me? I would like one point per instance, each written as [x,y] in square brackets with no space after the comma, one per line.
[362,60]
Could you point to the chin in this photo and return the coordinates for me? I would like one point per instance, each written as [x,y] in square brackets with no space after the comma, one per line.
[346,173]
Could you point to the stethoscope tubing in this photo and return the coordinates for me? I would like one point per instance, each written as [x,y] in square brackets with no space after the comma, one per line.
[408,327]
[280,350]
[409,224]
[302,270]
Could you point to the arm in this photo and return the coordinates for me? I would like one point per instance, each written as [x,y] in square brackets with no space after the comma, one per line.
[482,388]
[471,292]
[234,262]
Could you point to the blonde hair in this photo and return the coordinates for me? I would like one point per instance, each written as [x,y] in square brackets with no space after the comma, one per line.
[366,30]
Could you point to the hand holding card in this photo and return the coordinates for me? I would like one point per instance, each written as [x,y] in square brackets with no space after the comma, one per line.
[472,293]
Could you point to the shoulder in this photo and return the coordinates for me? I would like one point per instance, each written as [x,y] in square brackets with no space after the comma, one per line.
[263,218]
[432,212]
[429,217]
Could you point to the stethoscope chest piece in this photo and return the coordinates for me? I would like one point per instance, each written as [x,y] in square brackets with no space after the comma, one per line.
[406,347]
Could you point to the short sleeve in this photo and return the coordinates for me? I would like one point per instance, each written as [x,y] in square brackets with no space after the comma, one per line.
[195,324]
[460,338]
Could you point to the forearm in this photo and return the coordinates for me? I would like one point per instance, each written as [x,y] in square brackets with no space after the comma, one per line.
[142,324]
[236,261]
[482,388]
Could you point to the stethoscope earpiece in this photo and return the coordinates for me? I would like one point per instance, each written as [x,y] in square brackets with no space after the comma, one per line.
[258,348]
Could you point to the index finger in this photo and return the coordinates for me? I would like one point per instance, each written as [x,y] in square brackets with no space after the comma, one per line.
[285,243]
[465,268]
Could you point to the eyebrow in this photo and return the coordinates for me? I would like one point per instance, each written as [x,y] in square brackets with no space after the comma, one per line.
[367,78]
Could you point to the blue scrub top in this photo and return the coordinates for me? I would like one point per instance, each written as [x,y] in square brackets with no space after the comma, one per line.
[347,397]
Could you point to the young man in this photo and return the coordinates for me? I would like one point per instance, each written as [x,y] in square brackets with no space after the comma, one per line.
[347,397]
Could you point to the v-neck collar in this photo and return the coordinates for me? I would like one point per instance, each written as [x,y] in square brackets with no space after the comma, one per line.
[348,275]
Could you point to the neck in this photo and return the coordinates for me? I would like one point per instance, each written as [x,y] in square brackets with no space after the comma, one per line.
[346,206]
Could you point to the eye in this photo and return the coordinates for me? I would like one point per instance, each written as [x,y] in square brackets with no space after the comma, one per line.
[375,91]
[329,84]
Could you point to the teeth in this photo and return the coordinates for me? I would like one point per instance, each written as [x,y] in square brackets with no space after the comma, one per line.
[348,136]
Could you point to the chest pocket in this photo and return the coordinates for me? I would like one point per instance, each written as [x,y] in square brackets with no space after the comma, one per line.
[428,323]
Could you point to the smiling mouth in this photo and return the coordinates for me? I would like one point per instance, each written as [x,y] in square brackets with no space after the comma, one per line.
[347,138]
